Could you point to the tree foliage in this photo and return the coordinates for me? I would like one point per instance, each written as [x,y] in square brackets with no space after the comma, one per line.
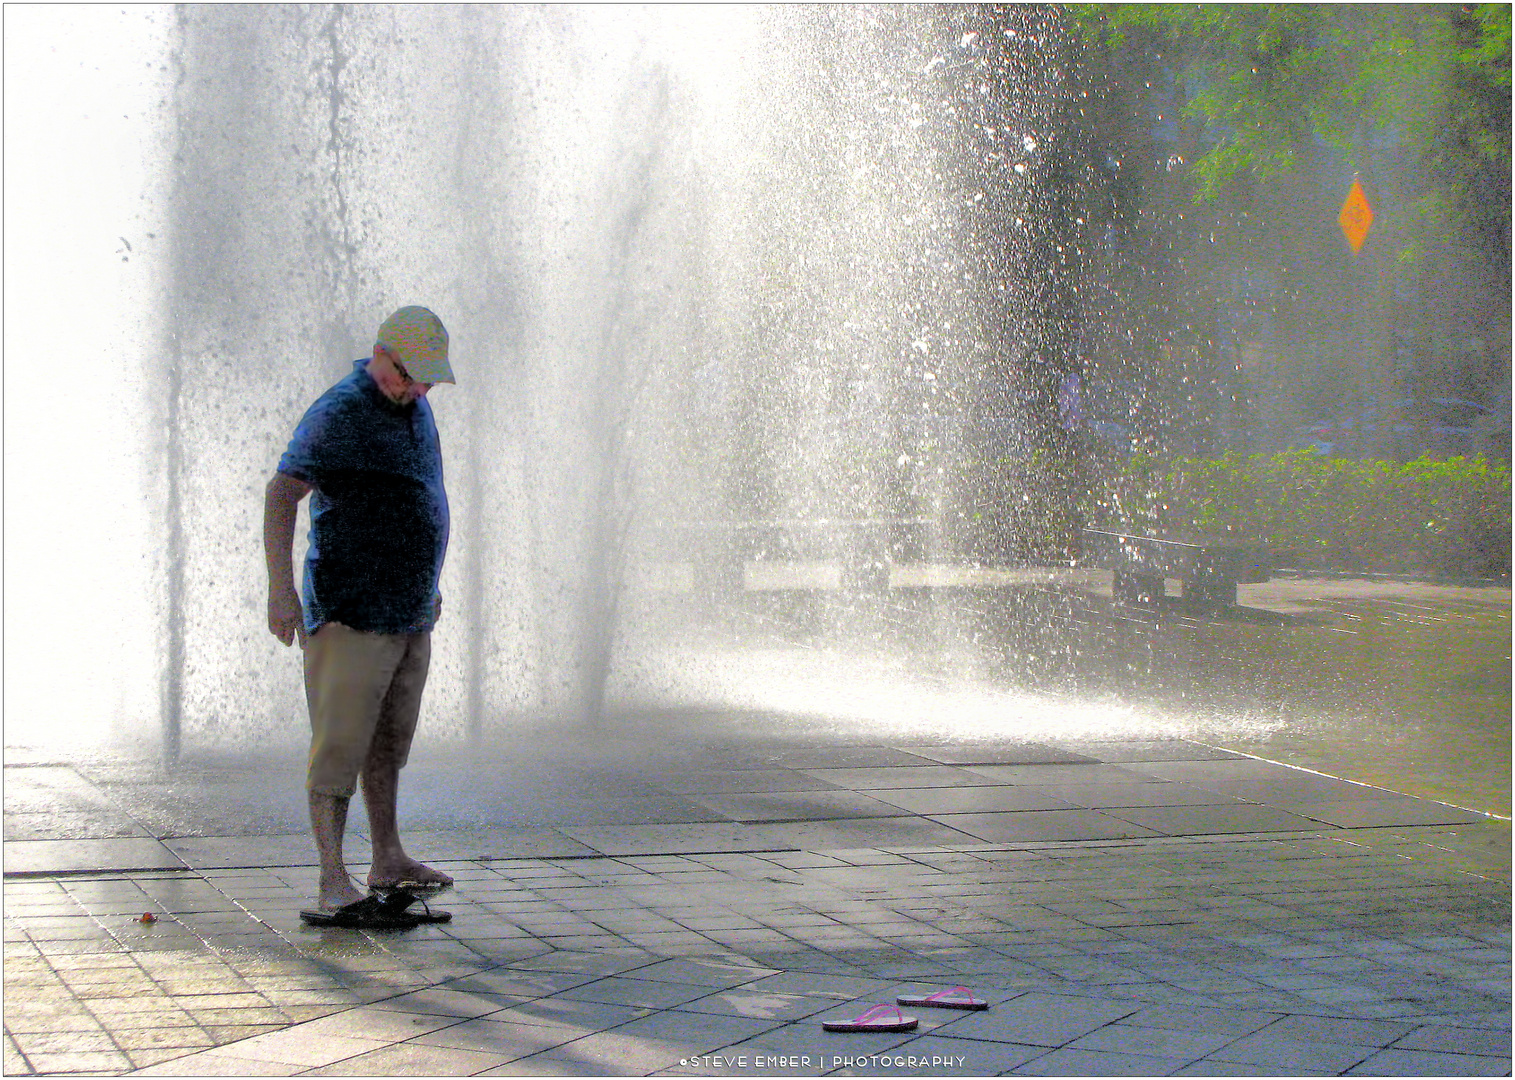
[1267,79]
[1255,117]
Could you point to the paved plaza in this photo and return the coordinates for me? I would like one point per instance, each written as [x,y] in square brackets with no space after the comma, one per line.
[1127,908]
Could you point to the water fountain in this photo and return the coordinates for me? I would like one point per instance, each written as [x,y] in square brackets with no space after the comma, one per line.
[701,267]
[733,293]
[723,283]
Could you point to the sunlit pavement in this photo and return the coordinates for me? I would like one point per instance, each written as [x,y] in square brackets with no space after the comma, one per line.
[1157,907]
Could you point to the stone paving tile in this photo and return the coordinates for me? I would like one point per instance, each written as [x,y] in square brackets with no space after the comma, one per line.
[1359,813]
[921,776]
[142,1059]
[1146,750]
[800,806]
[694,1034]
[1075,1062]
[300,1047]
[1280,1051]
[53,856]
[235,1017]
[599,1054]
[758,1005]
[373,1023]
[1494,1042]
[504,1039]
[411,1059]
[964,800]
[1027,753]
[1226,1068]
[36,1044]
[229,1033]
[54,1012]
[1059,774]
[1243,768]
[190,1038]
[1126,1038]
[1035,825]
[214,1063]
[59,825]
[1338,1030]
[705,971]
[448,1002]
[160,1011]
[732,781]
[846,757]
[107,1063]
[1166,793]
[826,987]
[638,840]
[1396,1062]
[1219,818]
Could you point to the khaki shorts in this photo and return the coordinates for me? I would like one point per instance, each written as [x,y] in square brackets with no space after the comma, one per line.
[364,693]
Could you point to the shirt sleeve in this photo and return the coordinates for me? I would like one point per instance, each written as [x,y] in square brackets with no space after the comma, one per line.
[322,443]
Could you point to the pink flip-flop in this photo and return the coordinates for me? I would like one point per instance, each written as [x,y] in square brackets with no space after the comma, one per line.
[959,997]
[875,1019]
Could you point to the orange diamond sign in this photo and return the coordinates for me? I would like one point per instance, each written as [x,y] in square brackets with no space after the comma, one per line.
[1356,216]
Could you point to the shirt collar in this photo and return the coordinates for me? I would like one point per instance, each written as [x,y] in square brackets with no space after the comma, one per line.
[377,396]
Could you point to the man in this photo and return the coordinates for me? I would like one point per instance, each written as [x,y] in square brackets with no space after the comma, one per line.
[368,449]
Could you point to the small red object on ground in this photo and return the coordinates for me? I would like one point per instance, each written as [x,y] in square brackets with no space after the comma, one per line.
[148,917]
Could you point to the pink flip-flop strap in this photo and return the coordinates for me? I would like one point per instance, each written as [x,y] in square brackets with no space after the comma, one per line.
[942,995]
[877,1012]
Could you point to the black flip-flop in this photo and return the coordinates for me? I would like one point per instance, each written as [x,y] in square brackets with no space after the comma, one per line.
[397,901]
[378,912]
[415,888]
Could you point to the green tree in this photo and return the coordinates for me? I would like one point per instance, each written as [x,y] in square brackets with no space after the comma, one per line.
[1268,78]
[1280,99]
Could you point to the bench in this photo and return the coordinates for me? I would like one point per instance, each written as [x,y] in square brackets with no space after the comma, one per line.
[864,547]
[1210,569]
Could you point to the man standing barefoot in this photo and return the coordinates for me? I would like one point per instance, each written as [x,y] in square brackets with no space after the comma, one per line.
[368,449]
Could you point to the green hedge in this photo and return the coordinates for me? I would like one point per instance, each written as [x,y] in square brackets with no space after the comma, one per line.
[1427,516]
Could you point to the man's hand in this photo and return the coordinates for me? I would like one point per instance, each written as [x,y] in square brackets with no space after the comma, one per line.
[285,616]
[436,608]
[280,501]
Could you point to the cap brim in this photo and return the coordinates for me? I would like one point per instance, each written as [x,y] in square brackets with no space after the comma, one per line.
[431,370]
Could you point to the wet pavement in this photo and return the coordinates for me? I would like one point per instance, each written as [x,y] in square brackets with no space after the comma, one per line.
[1146,906]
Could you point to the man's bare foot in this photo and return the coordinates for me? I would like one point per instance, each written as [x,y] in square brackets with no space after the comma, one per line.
[338,894]
[406,872]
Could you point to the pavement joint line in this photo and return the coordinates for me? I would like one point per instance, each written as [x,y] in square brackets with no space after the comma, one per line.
[1354,783]
[1264,838]
[91,872]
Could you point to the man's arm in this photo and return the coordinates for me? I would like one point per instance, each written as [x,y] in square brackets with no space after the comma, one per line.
[281,500]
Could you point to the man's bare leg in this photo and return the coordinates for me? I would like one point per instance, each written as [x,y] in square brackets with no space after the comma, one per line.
[328,822]
[381,790]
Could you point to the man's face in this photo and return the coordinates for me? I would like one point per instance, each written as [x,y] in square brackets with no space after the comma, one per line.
[393,380]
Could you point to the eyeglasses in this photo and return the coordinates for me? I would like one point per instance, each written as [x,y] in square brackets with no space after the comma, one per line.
[405,375]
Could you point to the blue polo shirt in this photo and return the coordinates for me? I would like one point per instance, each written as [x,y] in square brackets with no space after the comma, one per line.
[378,512]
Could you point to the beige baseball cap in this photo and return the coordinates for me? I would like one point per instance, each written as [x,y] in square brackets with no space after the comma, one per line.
[417,337]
